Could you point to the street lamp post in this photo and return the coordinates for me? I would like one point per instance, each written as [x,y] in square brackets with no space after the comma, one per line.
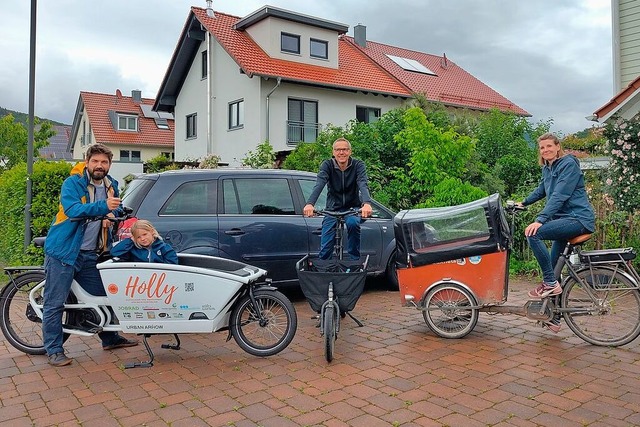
[32,88]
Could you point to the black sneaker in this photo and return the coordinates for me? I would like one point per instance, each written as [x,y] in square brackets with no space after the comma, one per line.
[59,359]
[120,343]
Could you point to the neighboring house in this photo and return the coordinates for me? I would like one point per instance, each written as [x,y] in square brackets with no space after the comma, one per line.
[126,124]
[625,15]
[281,76]
[58,148]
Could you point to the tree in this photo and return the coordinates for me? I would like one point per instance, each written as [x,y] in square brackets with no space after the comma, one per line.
[263,158]
[14,140]
[435,156]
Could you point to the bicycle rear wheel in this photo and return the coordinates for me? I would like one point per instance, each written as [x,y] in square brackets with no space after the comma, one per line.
[19,323]
[612,318]
[329,326]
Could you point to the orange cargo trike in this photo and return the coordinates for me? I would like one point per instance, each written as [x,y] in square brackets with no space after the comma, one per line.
[453,262]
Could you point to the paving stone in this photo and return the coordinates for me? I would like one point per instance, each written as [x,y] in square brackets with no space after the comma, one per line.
[393,371]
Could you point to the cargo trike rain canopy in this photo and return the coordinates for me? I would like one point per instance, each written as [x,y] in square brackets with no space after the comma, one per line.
[431,235]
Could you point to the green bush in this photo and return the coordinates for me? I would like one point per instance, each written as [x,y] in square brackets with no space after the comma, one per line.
[46,179]
[262,158]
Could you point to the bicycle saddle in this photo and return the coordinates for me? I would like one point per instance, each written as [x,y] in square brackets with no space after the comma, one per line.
[580,239]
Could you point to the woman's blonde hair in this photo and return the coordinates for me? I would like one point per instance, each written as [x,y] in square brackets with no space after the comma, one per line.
[553,138]
[143,224]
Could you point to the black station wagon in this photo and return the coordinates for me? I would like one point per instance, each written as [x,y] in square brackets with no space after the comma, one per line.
[250,215]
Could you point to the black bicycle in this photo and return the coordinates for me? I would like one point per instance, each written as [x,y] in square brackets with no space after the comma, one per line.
[333,287]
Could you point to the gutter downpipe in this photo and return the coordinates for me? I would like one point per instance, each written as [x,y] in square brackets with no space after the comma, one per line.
[209,91]
[268,95]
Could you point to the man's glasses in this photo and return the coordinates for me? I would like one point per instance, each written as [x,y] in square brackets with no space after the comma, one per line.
[342,149]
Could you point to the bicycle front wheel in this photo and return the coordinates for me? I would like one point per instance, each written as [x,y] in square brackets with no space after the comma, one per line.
[329,326]
[603,308]
[266,328]
[20,324]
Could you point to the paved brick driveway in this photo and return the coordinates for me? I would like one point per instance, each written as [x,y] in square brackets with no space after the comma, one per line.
[391,372]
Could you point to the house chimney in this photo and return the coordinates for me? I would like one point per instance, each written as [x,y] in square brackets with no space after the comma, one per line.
[443,61]
[136,95]
[360,35]
[210,13]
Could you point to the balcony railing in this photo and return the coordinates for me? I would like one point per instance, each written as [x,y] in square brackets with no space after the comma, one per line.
[298,131]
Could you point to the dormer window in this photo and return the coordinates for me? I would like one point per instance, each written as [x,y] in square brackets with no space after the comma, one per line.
[319,49]
[289,43]
[127,122]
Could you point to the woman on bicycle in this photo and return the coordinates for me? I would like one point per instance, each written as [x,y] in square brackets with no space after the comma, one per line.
[567,213]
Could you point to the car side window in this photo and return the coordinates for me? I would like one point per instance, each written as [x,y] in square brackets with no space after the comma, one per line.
[257,196]
[307,186]
[192,198]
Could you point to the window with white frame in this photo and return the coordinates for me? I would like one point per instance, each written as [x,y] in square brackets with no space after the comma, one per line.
[127,122]
[236,114]
[192,125]
[289,43]
[130,156]
[319,49]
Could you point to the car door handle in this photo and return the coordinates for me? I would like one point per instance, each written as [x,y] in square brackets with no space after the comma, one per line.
[234,232]
[317,231]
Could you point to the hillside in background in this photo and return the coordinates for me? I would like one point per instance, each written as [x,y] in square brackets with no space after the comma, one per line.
[24,117]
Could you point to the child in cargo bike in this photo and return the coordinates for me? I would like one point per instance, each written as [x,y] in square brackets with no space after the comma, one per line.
[145,245]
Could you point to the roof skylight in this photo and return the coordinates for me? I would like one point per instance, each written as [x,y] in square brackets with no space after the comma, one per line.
[411,65]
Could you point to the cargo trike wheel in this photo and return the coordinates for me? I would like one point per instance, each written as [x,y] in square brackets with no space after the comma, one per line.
[446,310]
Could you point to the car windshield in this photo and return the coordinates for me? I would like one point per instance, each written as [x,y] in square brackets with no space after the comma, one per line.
[135,192]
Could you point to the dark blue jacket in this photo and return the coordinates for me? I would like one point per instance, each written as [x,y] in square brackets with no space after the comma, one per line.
[346,189]
[77,201]
[562,184]
[159,251]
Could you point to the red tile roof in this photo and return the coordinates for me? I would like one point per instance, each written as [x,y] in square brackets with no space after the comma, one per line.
[354,71]
[98,105]
[620,99]
[452,85]
[367,69]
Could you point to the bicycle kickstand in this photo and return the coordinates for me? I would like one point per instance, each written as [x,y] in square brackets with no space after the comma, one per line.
[354,319]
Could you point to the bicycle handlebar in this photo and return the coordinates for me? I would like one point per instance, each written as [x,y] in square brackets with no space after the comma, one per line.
[512,207]
[127,214]
[339,214]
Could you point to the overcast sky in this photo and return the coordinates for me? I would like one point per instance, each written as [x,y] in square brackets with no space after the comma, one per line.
[553,58]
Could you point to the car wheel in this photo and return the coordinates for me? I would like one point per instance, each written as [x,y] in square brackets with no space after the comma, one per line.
[391,273]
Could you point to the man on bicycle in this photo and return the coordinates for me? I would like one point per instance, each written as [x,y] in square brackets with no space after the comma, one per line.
[346,181]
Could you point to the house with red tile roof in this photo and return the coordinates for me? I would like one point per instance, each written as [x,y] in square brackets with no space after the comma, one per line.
[126,124]
[283,76]
[625,104]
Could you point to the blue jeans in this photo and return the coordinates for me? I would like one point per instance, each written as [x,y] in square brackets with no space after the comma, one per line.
[558,230]
[328,239]
[59,277]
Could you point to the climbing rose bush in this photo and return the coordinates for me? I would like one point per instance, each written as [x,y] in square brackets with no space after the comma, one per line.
[623,146]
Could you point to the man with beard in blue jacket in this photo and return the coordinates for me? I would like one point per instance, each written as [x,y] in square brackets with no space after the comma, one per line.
[72,247]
